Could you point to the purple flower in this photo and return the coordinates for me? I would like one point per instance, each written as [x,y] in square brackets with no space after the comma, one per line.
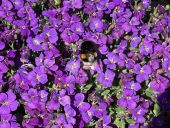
[43,95]
[2,45]
[146,48]
[35,43]
[96,24]
[129,99]
[135,41]
[159,84]
[70,113]
[31,98]
[164,101]
[100,110]
[51,35]
[63,99]
[142,72]
[77,4]
[132,85]
[6,5]
[68,36]
[146,3]
[52,105]
[37,76]
[106,121]
[111,61]
[77,28]
[106,78]
[166,67]
[3,68]
[21,82]
[81,77]
[138,114]
[8,102]
[17,4]
[73,66]
[87,115]
[79,98]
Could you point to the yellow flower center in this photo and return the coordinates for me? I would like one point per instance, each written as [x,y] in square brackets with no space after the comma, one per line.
[106,78]
[5,103]
[141,70]
[96,25]
[78,29]
[73,66]
[36,42]
[139,111]
[37,77]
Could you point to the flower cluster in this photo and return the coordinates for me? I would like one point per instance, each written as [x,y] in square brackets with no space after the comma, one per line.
[42,80]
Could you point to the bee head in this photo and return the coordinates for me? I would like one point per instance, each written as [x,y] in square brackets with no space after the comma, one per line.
[88,51]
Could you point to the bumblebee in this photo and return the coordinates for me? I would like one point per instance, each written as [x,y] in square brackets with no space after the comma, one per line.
[88,54]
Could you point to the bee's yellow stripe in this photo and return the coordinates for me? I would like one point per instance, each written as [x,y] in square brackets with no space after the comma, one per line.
[95,54]
[83,56]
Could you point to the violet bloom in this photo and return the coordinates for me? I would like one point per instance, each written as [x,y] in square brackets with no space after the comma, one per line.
[2,45]
[132,85]
[129,99]
[77,28]
[17,4]
[106,78]
[81,77]
[164,100]
[166,67]
[35,43]
[106,121]
[87,115]
[77,4]
[100,110]
[79,102]
[31,98]
[70,113]
[159,84]
[62,122]
[142,72]
[146,48]
[69,36]
[52,105]
[8,121]
[37,76]
[43,95]
[161,121]
[51,35]
[22,25]
[21,82]
[146,3]
[96,24]
[3,68]
[63,98]
[8,102]
[135,41]
[73,66]
[111,60]
[50,65]
[138,114]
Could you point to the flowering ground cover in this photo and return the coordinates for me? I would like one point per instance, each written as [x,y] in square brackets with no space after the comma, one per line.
[42,80]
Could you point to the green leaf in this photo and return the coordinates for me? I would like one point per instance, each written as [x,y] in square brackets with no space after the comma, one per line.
[156,110]
[87,87]
[57,2]
[119,123]
[105,92]
[130,121]
[119,110]
[149,92]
